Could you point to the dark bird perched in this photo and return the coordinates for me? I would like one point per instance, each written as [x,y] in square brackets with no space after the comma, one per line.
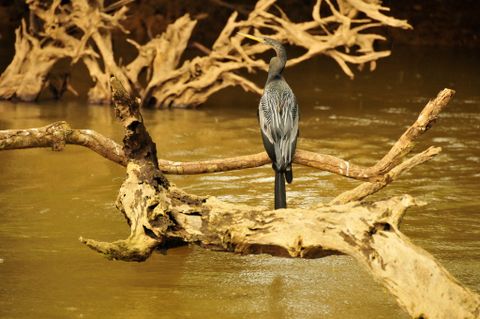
[278,117]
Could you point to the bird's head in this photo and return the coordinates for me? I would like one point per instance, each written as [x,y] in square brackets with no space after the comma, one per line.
[276,45]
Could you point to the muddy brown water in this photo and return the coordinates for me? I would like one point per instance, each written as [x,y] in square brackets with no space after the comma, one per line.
[48,199]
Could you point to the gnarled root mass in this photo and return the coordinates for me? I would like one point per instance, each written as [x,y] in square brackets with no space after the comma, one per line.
[162,215]
[81,31]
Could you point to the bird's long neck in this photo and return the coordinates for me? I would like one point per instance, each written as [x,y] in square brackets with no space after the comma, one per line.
[277,63]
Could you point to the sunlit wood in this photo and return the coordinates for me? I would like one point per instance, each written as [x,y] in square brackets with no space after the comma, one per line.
[346,35]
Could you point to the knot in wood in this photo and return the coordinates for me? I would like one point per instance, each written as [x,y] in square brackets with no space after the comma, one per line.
[59,132]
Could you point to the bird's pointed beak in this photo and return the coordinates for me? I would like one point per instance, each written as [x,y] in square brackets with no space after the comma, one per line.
[252,37]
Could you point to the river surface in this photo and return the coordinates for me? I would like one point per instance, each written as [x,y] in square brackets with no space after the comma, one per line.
[49,199]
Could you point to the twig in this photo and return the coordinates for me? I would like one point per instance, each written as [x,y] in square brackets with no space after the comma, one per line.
[201,47]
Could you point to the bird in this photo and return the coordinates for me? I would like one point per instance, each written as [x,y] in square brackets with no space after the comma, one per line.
[278,115]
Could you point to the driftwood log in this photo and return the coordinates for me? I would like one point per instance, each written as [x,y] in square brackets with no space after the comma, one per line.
[81,31]
[160,215]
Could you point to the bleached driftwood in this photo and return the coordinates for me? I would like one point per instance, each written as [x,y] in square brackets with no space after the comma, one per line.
[52,35]
[339,36]
[82,31]
[160,215]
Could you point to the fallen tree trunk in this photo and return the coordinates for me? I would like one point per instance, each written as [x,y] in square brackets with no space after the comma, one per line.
[162,215]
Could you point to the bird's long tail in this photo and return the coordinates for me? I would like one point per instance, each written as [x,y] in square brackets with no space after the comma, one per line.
[289,174]
[280,193]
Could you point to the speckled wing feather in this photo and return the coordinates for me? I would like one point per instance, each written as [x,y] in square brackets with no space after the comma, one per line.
[278,116]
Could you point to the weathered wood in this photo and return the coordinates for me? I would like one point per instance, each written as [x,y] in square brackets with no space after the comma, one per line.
[369,188]
[26,75]
[369,232]
[197,79]
[50,39]
[343,34]
[407,141]
[142,195]
[57,135]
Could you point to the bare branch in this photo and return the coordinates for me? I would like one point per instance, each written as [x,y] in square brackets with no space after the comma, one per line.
[407,141]
[61,131]
[37,52]
[197,79]
[369,188]
[373,10]
[345,35]
[57,135]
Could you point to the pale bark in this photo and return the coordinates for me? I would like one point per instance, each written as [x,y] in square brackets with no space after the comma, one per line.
[142,195]
[368,188]
[50,39]
[197,79]
[345,35]
[28,72]
[57,135]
